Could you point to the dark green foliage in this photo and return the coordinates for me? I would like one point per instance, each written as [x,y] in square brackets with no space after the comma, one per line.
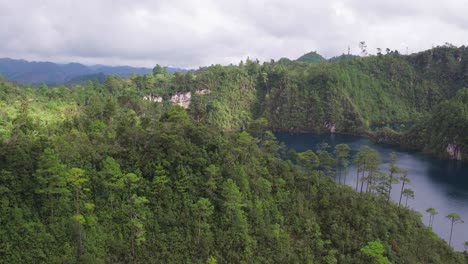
[311,57]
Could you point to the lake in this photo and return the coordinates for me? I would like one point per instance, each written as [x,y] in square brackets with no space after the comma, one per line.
[442,184]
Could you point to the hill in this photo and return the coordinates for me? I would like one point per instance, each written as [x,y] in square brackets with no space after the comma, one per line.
[353,96]
[27,72]
[98,174]
[312,57]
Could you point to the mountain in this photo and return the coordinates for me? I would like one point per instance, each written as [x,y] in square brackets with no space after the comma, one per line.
[83,79]
[27,72]
[311,57]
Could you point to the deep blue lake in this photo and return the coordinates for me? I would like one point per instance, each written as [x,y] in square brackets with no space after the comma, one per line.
[442,184]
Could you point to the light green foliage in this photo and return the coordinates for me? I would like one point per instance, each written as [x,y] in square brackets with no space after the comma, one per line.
[308,159]
[211,260]
[432,213]
[376,250]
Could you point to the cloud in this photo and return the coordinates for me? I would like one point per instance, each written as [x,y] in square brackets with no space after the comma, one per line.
[187,33]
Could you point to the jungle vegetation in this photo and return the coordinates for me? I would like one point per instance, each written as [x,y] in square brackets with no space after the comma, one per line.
[96,174]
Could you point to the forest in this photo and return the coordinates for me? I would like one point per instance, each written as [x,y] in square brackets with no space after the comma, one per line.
[391,98]
[117,173]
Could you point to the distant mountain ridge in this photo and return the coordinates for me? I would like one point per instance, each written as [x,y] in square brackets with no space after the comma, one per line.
[27,72]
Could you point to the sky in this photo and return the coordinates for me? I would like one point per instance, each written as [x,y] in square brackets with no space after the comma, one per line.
[190,34]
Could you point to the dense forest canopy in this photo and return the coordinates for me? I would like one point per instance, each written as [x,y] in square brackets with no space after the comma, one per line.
[352,95]
[116,173]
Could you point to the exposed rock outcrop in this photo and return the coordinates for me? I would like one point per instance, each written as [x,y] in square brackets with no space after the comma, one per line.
[331,127]
[152,98]
[454,151]
[182,99]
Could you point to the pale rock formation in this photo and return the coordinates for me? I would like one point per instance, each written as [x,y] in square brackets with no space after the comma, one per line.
[182,99]
[331,127]
[454,151]
[152,98]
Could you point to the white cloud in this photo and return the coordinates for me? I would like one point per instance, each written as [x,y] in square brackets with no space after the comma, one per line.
[196,33]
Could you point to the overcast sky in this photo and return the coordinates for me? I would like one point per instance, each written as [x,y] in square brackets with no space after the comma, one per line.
[197,33]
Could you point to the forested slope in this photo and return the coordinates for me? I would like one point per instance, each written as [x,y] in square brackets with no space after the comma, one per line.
[96,174]
[352,95]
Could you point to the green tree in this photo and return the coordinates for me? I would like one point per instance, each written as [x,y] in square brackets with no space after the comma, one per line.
[213,174]
[326,160]
[342,159]
[43,89]
[113,179]
[138,211]
[363,48]
[51,177]
[404,179]
[159,70]
[375,249]
[270,144]
[308,159]
[408,193]
[203,210]
[381,184]
[454,218]
[235,225]
[160,180]
[360,165]
[372,161]
[393,171]
[432,213]
[135,206]
[211,260]
[369,161]
[78,180]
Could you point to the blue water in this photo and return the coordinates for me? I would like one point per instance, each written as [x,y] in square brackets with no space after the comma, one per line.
[442,184]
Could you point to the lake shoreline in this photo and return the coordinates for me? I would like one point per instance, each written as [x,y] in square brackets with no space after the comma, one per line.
[378,139]
[437,183]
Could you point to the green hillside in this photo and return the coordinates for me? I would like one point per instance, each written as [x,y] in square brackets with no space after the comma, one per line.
[99,173]
[311,57]
[96,174]
[353,95]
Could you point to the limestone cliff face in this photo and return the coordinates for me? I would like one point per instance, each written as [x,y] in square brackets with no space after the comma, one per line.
[182,99]
[152,98]
[331,127]
[454,151]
